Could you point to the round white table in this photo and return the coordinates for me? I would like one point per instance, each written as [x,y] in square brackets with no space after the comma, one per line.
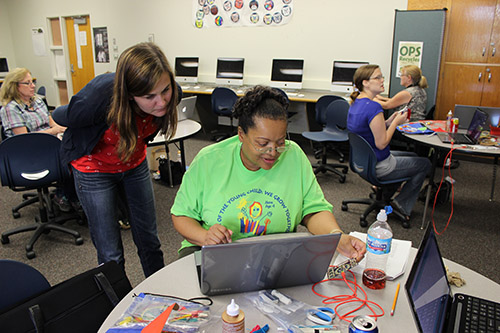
[180,279]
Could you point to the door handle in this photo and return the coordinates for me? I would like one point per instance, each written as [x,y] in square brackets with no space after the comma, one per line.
[480,76]
[494,51]
[72,70]
[484,51]
[489,77]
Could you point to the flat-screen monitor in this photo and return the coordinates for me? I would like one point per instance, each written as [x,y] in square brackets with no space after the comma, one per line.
[4,68]
[342,75]
[287,73]
[186,69]
[230,71]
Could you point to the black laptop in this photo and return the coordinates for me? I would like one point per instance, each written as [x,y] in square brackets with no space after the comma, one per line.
[476,126]
[434,308]
[265,262]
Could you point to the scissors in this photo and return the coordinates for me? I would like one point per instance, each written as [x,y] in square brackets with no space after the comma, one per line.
[321,316]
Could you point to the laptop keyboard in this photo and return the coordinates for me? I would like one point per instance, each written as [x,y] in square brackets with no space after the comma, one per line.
[480,315]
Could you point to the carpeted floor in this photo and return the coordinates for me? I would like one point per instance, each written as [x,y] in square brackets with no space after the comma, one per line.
[472,237]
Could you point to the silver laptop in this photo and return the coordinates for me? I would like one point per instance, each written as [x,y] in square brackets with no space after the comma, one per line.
[264,262]
[186,107]
[476,126]
[434,308]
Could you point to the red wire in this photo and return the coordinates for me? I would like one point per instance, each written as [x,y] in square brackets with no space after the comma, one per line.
[341,300]
[448,156]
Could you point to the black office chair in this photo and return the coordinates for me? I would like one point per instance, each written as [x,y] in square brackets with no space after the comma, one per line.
[19,282]
[363,161]
[223,100]
[335,130]
[31,161]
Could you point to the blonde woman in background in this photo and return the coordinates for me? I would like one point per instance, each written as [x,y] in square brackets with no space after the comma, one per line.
[413,96]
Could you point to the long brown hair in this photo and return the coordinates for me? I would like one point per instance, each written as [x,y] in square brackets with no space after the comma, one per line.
[361,74]
[138,71]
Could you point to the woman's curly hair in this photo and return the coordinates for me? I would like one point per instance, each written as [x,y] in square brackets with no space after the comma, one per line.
[260,101]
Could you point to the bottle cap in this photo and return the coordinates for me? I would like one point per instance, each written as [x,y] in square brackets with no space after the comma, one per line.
[382,216]
[233,309]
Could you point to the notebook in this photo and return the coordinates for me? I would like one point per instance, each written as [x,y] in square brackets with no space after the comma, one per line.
[265,262]
[429,294]
[476,126]
[186,107]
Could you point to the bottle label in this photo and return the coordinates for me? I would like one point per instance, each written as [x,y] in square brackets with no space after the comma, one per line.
[378,246]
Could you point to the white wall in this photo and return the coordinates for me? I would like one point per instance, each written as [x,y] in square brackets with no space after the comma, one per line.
[6,46]
[321,31]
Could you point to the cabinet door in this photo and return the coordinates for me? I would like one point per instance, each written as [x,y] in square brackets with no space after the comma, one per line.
[491,87]
[494,51]
[460,84]
[469,31]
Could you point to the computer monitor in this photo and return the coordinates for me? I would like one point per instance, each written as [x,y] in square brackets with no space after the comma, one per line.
[287,73]
[4,68]
[343,74]
[186,69]
[230,71]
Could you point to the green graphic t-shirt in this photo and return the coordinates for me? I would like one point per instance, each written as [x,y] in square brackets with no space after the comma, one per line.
[217,188]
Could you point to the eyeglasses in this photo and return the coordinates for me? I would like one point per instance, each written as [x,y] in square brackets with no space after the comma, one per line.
[378,78]
[28,83]
[269,150]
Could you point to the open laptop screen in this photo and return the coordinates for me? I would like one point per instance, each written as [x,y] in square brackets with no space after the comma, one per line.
[477,124]
[427,286]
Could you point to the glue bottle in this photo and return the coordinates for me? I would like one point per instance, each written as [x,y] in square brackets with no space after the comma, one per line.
[233,319]
[448,121]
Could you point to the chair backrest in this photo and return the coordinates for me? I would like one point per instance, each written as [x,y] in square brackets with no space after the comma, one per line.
[31,161]
[322,105]
[362,158]
[18,282]
[336,116]
[41,91]
[223,100]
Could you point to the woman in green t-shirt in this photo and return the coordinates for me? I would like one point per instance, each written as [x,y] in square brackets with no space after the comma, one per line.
[254,183]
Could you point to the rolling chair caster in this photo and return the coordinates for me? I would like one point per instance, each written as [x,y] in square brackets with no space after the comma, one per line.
[79,241]
[16,215]
[362,222]
[406,225]
[30,254]
[342,179]
[344,207]
[5,240]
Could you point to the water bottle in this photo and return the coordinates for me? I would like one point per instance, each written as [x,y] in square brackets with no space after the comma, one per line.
[448,121]
[378,247]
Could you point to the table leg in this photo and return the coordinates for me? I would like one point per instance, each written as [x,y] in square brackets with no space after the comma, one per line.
[495,163]
[183,156]
[169,167]
[430,184]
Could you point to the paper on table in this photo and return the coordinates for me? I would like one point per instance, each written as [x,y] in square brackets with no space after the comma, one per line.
[396,264]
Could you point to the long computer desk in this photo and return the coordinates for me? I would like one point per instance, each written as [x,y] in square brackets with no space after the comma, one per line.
[441,148]
[180,279]
[307,97]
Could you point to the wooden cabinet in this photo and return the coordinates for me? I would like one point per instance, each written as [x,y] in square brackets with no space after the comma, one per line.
[469,85]
[470,70]
[470,37]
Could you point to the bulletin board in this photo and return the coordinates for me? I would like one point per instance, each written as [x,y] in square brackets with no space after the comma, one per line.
[425,26]
[237,13]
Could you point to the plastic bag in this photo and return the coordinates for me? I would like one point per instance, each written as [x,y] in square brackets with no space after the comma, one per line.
[291,315]
[190,316]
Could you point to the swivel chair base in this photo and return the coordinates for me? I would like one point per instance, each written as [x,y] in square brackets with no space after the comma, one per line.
[28,199]
[44,224]
[376,202]
[323,166]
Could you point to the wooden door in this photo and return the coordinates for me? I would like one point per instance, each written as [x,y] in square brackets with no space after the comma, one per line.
[469,33]
[80,51]
[494,47]
[491,87]
[460,84]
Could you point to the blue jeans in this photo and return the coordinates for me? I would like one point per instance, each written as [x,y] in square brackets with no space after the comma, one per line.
[98,194]
[409,164]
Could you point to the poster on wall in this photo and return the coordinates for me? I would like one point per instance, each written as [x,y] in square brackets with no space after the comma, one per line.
[238,13]
[409,53]
[101,47]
